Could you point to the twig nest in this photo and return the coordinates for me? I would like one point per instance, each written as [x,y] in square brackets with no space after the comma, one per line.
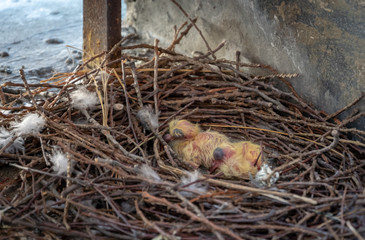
[6,137]
[118,107]
[148,172]
[192,183]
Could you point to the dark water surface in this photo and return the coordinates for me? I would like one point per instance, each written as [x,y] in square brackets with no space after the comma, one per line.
[44,36]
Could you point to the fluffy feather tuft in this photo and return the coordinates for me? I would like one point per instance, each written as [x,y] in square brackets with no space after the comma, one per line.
[83,99]
[261,177]
[148,118]
[194,186]
[5,138]
[32,123]
[59,161]
[148,172]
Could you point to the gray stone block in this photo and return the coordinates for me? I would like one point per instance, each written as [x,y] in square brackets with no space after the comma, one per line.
[323,41]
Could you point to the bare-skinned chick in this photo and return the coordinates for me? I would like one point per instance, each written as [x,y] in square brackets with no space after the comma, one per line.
[237,159]
[192,144]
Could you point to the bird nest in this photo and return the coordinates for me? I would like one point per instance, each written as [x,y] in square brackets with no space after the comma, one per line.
[92,170]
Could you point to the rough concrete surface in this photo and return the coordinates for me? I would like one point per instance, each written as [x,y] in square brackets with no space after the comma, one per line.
[323,41]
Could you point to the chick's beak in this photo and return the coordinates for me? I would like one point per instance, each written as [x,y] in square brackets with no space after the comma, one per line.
[257,161]
[177,134]
[167,137]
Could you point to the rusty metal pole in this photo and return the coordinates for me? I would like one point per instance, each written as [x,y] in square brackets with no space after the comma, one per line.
[102,28]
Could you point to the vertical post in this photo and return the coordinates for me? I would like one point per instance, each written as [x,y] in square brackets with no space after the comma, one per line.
[101,28]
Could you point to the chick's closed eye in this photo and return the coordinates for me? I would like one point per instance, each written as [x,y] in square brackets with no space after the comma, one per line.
[178,133]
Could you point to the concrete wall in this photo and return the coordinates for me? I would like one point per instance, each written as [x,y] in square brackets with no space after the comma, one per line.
[322,40]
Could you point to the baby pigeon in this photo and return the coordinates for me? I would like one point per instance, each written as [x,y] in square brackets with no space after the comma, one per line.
[237,159]
[192,144]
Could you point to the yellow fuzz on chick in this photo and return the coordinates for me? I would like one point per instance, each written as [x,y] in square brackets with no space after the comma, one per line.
[238,159]
[192,144]
[183,128]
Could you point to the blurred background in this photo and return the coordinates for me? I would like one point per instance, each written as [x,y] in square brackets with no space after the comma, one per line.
[43,36]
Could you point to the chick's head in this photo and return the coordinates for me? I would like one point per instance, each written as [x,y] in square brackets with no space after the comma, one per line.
[181,135]
[251,152]
[183,130]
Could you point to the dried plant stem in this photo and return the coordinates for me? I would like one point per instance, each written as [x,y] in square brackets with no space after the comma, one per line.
[194,217]
[155,76]
[261,191]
